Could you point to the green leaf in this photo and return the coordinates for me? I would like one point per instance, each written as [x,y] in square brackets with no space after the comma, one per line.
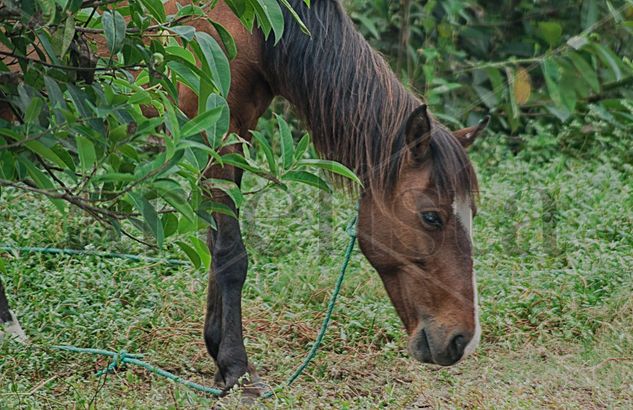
[190,252]
[294,14]
[170,224]
[238,161]
[187,74]
[227,40]
[194,145]
[216,62]
[585,70]
[270,15]
[115,177]
[86,151]
[44,38]
[496,80]
[7,165]
[552,79]
[287,145]
[609,58]
[551,32]
[221,127]
[331,166]
[46,153]
[302,147]
[307,178]
[228,187]
[48,9]
[63,154]
[244,10]
[589,13]
[42,181]
[220,208]
[568,85]
[171,120]
[615,13]
[149,215]
[114,27]
[486,96]
[156,9]
[202,249]
[56,97]
[368,23]
[186,32]
[268,152]
[179,203]
[69,34]
[33,110]
[514,108]
[181,52]
[201,122]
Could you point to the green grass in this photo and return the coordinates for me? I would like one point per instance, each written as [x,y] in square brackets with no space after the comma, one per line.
[557,314]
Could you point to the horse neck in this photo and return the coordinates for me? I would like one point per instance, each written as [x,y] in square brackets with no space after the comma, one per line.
[345,91]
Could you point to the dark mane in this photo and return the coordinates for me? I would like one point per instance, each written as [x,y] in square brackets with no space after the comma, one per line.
[353,103]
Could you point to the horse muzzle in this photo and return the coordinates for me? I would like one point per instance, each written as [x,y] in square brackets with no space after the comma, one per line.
[435,348]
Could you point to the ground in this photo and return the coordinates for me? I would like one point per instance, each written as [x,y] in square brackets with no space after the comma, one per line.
[554,257]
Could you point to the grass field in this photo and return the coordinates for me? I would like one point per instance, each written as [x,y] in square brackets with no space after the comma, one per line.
[554,255]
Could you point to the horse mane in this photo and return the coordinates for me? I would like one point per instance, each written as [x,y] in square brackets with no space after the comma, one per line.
[353,103]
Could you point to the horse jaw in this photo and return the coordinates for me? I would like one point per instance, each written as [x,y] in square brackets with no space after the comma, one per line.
[13,329]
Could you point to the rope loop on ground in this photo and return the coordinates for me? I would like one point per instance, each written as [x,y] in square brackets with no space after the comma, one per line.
[122,357]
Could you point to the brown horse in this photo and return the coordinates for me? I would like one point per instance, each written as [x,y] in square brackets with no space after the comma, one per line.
[415,218]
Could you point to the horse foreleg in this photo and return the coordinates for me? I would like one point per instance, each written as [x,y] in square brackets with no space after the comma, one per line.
[8,321]
[223,321]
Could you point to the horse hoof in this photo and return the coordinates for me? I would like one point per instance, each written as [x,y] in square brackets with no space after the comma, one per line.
[243,396]
[255,386]
[245,393]
[13,329]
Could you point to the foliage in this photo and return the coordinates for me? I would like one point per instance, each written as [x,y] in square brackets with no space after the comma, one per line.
[556,310]
[517,59]
[92,88]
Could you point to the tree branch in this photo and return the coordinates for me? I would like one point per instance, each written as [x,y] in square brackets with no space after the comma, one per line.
[68,67]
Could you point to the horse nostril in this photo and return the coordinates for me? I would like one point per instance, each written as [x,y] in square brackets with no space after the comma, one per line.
[457,347]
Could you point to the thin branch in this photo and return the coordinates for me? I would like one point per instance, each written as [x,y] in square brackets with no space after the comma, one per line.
[94,4]
[67,67]
[25,140]
[609,87]
[135,183]
[53,175]
[55,194]
[44,132]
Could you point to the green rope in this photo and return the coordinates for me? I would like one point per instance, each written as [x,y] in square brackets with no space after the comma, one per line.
[135,258]
[122,357]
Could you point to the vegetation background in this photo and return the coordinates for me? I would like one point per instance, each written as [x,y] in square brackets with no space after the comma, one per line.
[554,248]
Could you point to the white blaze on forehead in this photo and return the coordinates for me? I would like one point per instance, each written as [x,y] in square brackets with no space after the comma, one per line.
[464,214]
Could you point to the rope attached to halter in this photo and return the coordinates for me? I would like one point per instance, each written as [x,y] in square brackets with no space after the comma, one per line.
[122,358]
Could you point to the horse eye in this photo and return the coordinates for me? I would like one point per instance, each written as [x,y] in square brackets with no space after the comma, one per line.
[432,219]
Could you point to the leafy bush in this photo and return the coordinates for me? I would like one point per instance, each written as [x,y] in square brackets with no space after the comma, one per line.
[517,59]
[91,88]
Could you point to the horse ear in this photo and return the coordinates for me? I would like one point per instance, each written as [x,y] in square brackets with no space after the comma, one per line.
[466,136]
[418,132]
